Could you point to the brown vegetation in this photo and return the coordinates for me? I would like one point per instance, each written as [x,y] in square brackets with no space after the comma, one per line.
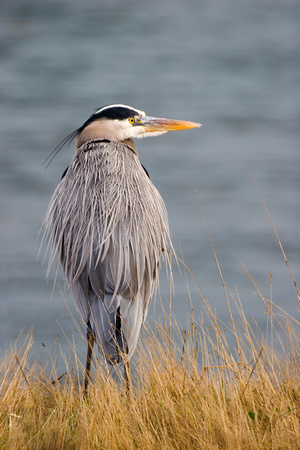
[193,394]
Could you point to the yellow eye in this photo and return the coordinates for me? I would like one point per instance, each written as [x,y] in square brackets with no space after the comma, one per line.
[131,120]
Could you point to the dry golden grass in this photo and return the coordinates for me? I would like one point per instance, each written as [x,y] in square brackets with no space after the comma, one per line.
[193,394]
[191,389]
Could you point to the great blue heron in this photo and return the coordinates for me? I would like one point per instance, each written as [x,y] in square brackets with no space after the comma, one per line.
[108,225]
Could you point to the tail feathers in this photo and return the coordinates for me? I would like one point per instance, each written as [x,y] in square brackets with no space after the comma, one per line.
[106,324]
[132,319]
[116,323]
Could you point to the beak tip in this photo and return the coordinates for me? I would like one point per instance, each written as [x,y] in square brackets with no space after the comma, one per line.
[195,125]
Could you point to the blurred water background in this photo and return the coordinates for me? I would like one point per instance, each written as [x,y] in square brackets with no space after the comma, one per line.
[233,66]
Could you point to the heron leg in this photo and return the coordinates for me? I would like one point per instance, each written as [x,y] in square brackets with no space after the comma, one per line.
[122,348]
[91,340]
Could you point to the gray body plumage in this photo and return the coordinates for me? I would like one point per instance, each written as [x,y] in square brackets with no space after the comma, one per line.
[108,225]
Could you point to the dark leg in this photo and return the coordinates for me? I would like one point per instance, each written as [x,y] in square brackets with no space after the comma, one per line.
[122,349]
[91,340]
[127,378]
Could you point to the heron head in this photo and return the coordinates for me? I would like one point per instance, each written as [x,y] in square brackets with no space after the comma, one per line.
[121,122]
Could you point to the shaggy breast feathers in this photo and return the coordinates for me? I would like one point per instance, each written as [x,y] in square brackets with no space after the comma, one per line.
[110,237]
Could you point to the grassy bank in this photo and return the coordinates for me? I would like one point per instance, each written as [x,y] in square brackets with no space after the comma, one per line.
[191,388]
[189,391]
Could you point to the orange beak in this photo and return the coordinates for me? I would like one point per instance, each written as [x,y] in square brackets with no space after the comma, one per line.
[156,124]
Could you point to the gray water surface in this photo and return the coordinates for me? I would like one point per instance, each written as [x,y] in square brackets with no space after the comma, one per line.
[233,66]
